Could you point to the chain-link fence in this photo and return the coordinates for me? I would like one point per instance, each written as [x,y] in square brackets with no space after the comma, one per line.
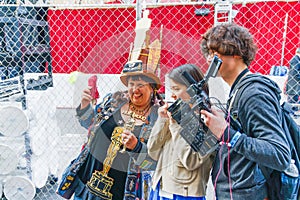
[48,50]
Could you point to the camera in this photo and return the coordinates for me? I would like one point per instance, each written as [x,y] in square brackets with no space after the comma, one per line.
[187,114]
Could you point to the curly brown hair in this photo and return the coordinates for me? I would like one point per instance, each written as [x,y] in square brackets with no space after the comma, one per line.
[229,39]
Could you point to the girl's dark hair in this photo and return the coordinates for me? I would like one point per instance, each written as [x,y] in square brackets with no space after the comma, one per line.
[229,39]
[193,70]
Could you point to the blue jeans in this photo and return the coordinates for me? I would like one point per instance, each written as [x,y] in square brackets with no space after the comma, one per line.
[154,195]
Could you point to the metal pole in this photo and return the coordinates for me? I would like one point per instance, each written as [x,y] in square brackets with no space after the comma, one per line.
[138,10]
[284,39]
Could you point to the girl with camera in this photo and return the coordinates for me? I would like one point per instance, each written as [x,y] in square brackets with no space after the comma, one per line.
[181,173]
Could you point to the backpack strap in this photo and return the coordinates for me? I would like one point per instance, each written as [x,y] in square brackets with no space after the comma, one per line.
[293,132]
[232,99]
[292,125]
[234,121]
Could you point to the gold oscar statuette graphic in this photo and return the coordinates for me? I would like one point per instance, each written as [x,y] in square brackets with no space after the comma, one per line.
[100,183]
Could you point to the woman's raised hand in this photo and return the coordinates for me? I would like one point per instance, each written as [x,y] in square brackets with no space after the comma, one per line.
[86,98]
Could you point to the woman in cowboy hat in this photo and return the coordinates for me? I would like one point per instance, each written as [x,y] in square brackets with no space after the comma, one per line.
[114,163]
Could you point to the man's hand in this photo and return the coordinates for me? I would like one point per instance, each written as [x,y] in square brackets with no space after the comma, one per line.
[215,121]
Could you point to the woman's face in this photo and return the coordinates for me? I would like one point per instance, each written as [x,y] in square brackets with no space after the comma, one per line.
[139,92]
[179,91]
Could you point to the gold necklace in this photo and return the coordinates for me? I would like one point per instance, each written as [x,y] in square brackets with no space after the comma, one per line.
[137,113]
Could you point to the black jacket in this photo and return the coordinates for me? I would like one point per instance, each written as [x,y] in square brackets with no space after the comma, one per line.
[262,141]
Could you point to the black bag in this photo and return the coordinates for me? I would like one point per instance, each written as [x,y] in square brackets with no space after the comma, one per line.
[282,185]
[68,184]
